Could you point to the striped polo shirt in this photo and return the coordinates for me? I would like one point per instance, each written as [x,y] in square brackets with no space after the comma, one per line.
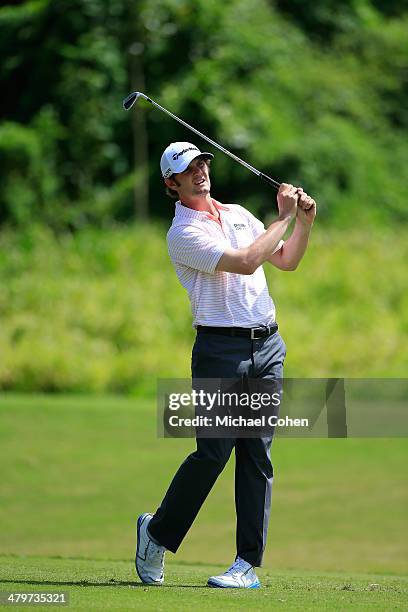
[196,241]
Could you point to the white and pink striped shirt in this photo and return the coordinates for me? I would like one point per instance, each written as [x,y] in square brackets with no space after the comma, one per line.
[196,242]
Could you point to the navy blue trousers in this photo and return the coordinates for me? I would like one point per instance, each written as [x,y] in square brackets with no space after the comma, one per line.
[216,356]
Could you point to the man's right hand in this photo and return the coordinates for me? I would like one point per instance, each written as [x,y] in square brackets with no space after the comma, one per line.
[287,200]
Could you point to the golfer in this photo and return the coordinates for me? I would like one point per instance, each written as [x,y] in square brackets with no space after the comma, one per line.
[218,251]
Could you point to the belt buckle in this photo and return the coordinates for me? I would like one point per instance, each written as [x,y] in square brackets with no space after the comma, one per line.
[257,329]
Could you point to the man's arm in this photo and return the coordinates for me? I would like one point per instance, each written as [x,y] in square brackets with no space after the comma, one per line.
[289,256]
[247,260]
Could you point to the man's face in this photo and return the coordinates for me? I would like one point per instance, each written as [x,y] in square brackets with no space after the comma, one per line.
[194,181]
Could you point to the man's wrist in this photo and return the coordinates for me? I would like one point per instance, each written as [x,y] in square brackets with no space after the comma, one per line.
[287,216]
[302,226]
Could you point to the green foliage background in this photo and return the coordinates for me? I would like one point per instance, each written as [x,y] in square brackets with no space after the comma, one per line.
[104,311]
[311,93]
[314,93]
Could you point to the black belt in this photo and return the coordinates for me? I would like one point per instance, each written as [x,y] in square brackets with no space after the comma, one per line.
[254,333]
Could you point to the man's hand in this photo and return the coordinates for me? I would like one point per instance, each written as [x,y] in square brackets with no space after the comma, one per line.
[306,208]
[287,200]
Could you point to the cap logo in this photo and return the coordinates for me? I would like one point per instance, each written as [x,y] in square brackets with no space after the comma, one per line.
[177,155]
[167,173]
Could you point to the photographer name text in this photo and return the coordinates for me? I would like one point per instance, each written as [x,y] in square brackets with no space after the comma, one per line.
[238,421]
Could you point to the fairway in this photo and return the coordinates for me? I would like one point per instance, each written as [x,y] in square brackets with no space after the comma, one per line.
[77,471]
[99,584]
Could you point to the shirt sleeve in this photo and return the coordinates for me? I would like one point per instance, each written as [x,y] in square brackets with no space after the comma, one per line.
[194,248]
[258,227]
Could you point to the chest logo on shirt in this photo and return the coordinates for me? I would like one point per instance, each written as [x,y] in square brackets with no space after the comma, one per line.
[239,226]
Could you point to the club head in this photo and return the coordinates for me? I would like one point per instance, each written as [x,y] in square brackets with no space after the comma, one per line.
[129,101]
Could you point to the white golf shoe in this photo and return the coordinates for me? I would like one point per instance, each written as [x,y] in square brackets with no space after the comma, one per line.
[240,575]
[149,559]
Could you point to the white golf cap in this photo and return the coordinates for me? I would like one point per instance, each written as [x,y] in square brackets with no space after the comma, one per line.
[177,156]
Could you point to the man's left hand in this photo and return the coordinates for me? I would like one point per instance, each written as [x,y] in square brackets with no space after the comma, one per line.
[306,208]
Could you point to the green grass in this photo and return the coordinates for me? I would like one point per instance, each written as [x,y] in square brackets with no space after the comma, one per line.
[76,472]
[106,584]
[86,467]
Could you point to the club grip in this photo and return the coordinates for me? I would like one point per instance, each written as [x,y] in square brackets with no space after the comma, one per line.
[269,180]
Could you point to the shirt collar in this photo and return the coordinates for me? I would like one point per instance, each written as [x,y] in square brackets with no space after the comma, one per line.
[220,206]
[185,212]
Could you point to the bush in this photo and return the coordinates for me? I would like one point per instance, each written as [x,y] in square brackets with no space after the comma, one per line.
[29,182]
[103,311]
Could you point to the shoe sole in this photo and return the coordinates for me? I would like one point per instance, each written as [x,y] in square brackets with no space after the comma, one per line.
[214,585]
[139,523]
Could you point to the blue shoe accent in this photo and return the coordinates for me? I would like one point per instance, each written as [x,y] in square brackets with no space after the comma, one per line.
[240,575]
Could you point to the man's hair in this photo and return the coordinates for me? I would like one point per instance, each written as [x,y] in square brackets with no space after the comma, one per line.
[172,193]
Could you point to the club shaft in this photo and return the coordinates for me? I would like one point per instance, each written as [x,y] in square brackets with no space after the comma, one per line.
[261,175]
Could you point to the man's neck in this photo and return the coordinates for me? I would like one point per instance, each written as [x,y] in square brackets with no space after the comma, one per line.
[204,204]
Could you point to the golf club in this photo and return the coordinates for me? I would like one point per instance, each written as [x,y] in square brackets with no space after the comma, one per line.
[129,101]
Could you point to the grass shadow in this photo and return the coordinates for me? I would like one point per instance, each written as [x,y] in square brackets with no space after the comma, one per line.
[111,583]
